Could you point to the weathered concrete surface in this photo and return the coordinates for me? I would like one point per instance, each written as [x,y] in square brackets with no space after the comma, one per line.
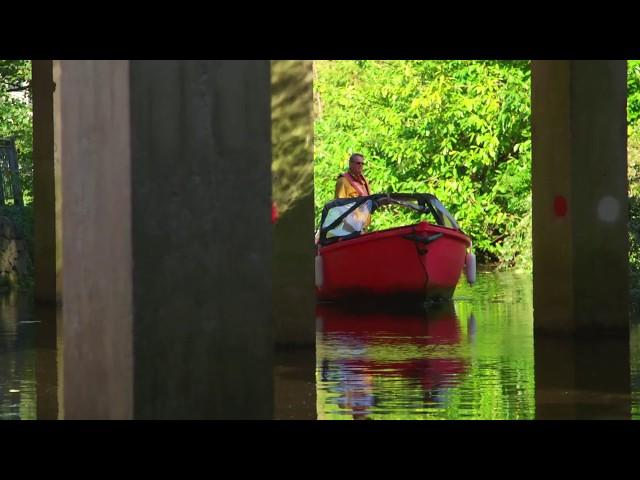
[202,243]
[165,174]
[292,169]
[43,182]
[580,259]
[94,148]
[293,236]
[580,239]
[294,295]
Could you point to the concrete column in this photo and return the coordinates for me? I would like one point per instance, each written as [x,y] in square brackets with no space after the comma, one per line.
[580,200]
[166,239]
[580,238]
[293,275]
[292,168]
[43,182]
[293,236]
[97,306]
[46,291]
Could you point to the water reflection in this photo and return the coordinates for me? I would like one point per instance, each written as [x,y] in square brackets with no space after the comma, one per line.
[28,363]
[366,356]
[472,359]
[17,358]
[469,358]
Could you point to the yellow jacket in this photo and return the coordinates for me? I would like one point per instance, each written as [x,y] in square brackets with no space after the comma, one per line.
[348,187]
[345,186]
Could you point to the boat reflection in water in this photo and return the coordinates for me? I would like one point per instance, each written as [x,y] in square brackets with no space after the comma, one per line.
[387,362]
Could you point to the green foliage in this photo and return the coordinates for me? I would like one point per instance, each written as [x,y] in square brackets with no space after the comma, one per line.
[16,116]
[633,156]
[633,92]
[457,129]
[633,163]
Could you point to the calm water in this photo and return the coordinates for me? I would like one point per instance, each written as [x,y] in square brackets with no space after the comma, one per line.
[28,360]
[470,359]
[17,359]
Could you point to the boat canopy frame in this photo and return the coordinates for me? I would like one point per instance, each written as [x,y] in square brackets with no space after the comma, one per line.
[426,203]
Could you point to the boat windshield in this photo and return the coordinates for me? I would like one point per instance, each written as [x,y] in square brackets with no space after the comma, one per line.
[354,219]
[447,218]
[349,217]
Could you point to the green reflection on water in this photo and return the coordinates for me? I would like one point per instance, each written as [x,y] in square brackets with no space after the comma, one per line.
[481,368]
[17,359]
[474,362]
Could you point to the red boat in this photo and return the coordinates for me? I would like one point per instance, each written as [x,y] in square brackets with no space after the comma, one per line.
[415,262]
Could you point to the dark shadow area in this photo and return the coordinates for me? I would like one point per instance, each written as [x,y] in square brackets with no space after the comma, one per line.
[582,379]
[295,383]
[48,348]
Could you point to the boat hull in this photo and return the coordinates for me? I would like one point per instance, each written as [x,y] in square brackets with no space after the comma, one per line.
[415,262]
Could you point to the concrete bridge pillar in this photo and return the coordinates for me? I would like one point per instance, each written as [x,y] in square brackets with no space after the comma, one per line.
[293,236]
[580,233]
[43,183]
[167,241]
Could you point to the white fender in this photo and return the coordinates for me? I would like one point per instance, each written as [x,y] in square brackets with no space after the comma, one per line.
[319,272]
[470,264]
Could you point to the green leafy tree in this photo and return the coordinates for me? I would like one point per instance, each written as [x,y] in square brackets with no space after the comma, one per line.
[16,116]
[457,129]
[633,163]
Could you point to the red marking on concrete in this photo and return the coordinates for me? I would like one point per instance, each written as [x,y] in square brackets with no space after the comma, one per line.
[560,206]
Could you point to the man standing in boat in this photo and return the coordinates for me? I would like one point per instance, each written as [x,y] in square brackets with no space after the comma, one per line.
[352,182]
